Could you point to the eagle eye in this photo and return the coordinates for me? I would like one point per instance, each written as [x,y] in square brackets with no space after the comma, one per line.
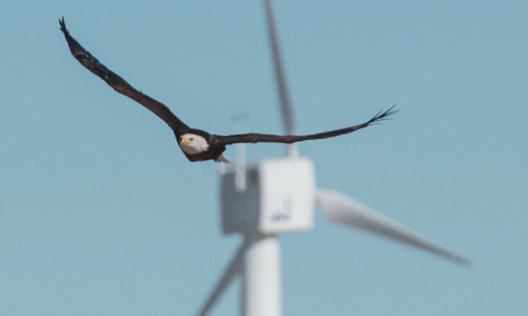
[191,139]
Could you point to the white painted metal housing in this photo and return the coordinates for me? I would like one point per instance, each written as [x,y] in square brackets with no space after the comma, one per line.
[278,197]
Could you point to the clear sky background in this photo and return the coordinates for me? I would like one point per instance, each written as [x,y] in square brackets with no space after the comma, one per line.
[101,213]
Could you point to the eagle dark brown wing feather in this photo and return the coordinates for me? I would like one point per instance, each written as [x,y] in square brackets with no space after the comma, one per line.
[119,84]
[288,139]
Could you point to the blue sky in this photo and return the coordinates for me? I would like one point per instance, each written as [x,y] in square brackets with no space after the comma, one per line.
[101,214]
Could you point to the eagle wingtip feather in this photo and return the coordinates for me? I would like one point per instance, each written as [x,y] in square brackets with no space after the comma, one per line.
[383,115]
[63,28]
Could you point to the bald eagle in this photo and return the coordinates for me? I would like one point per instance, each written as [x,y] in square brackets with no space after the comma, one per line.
[196,144]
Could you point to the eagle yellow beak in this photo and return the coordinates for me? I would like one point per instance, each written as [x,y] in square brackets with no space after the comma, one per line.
[185,141]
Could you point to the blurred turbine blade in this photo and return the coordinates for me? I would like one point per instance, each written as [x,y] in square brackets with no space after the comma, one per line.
[229,274]
[282,84]
[344,210]
[280,76]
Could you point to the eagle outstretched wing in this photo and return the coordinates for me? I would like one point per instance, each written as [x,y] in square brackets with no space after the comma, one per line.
[288,139]
[119,84]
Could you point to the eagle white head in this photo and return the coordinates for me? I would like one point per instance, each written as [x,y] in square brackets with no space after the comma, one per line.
[193,144]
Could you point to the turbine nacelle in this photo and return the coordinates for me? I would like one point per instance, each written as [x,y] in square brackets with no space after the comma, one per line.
[277,197]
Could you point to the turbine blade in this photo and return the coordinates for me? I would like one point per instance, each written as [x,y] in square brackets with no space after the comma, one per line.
[280,76]
[280,73]
[230,273]
[344,210]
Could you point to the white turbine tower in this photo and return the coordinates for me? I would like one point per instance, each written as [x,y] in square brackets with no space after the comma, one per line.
[277,196]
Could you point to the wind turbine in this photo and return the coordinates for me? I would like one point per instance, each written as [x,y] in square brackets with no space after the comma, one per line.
[277,196]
